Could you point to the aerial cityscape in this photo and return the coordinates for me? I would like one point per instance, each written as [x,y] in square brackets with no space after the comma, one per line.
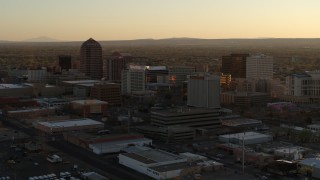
[138,90]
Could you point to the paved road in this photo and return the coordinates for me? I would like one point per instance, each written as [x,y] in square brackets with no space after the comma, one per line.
[110,167]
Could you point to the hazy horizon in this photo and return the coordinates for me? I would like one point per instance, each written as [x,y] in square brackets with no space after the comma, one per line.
[77,20]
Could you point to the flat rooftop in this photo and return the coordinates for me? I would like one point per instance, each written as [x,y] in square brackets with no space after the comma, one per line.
[240,122]
[245,135]
[171,167]
[119,143]
[153,156]
[91,101]
[12,86]
[314,162]
[82,81]
[183,111]
[31,109]
[71,123]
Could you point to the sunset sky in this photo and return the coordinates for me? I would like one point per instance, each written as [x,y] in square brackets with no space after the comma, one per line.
[139,19]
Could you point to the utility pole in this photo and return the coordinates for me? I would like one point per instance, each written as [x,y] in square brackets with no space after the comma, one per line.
[243,154]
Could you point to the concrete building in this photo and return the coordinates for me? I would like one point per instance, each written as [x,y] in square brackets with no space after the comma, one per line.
[303,88]
[56,127]
[207,118]
[158,164]
[178,74]
[259,66]
[88,108]
[52,102]
[109,143]
[114,65]
[291,152]
[37,75]
[91,59]
[246,137]
[244,98]
[70,85]
[235,65]
[313,164]
[168,134]
[155,72]
[204,90]
[30,113]
[109,92]
[133,80]
[15,90]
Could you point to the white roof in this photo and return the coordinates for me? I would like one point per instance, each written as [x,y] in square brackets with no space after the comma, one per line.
[246,135]
[120,143]
[71,123]
[91,101]
[12,86]
[314,162]
[82,81]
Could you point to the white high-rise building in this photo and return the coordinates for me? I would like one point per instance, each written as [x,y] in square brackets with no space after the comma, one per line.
[259,67]
[133,80]
[204,90]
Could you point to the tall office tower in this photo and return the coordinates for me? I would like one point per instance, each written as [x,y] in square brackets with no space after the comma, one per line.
[178,74]
[259,66]
[133,80]
[91,59]
[235,65]
[65,62]
[204,90]
[114,64]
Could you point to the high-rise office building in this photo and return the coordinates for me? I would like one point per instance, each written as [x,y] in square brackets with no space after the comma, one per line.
[235,65]
[133,80]
[259,66]
[91,59]
[114,64]
[204,90]
[65,62]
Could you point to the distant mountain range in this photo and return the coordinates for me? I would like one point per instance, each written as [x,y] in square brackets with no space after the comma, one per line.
[41,39]
[253,42]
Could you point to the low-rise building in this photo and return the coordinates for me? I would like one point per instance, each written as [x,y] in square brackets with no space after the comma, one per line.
[207,118]
[158,164]
[56,127]
[244,98]
[108,92]
[87,108]
[245,138]
[168,134]
[311,165]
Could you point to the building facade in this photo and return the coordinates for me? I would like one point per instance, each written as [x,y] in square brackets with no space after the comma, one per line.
[259,67]
[91,59]
[234,64]
[133,80]
[109,92]
[204,90]
[114,65]
[303,88]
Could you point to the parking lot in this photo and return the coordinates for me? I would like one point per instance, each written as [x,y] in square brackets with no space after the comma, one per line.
[19,164]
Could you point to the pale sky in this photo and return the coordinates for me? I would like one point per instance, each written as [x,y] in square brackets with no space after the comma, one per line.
[139,19]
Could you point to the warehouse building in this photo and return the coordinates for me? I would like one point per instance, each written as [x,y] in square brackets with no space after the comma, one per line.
[247,138]
[89,108]
[56,127]
[158,164]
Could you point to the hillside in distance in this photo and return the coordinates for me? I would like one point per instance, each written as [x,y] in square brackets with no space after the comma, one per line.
[186,51]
